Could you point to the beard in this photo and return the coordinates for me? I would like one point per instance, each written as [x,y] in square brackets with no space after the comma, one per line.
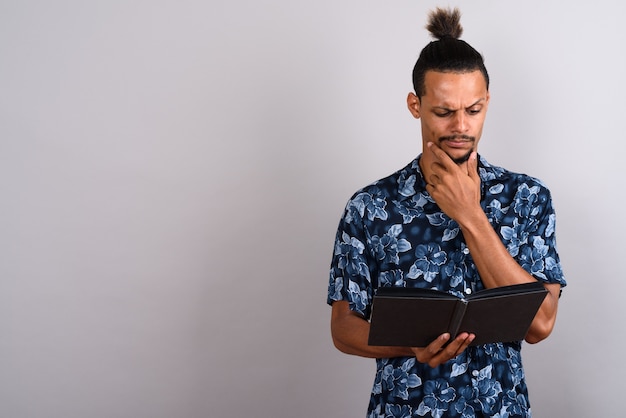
[463,158]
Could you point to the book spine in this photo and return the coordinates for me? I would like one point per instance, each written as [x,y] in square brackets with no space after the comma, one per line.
[457,318]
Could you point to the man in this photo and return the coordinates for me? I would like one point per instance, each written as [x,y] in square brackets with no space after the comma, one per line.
[448,220]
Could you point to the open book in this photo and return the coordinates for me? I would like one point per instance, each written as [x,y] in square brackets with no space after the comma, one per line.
[412,317]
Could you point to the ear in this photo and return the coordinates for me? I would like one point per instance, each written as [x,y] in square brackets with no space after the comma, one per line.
[413,103]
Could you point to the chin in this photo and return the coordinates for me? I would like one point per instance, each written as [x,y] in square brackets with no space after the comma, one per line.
[463,158]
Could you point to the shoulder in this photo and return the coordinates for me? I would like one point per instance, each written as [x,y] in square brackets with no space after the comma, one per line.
[400,183]
[500,180]
[374,201]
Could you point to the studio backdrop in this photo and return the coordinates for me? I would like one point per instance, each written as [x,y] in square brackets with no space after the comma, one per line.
[172,174]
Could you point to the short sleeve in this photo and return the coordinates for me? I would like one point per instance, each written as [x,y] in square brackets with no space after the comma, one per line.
[530,233]
[350,271]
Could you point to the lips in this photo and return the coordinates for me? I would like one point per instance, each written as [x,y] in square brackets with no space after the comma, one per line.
[457,141]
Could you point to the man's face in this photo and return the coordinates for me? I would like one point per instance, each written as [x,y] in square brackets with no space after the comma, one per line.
[452,111]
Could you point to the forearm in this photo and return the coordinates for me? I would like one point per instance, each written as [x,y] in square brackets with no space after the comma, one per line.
[493,261]
[350,334]
[498,268]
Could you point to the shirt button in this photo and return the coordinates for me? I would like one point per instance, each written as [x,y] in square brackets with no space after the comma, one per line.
[465,250]
[468,291]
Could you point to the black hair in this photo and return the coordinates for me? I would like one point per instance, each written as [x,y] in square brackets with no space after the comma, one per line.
[447,53]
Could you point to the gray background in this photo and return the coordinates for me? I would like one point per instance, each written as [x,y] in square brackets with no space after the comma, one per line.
[172,174]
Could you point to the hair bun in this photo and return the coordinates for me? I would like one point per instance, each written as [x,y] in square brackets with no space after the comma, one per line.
[445,23]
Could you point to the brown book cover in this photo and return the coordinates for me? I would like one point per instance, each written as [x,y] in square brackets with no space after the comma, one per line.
[413,317]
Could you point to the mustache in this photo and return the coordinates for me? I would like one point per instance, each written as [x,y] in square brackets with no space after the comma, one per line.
[457,137]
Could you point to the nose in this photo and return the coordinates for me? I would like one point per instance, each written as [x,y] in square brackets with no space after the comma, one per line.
[460,122]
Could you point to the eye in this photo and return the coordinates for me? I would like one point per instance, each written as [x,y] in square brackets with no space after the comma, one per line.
[474,110]
[443,114]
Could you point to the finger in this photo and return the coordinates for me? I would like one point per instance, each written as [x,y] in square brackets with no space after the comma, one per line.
[435,354]
[435,347]
[472,166]
[465,344]
[441,157]
[458,345]
[431,354]
[432,349]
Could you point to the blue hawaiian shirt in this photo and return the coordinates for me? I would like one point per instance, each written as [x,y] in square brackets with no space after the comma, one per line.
[392,233]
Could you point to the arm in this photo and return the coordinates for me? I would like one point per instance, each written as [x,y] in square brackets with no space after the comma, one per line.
[498,268]
[456,189]
[350,333]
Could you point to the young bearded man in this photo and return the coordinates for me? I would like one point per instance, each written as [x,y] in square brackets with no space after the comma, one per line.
[451,221]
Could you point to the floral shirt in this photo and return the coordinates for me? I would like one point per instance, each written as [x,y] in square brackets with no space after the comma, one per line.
[392,233]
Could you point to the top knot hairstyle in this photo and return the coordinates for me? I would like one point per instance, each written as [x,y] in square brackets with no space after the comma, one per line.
[447,53]
[445,24]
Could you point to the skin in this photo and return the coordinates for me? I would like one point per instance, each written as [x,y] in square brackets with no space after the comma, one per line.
[452,113]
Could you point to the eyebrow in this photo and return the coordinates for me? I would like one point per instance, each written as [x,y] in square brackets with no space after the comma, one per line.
[450,109]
